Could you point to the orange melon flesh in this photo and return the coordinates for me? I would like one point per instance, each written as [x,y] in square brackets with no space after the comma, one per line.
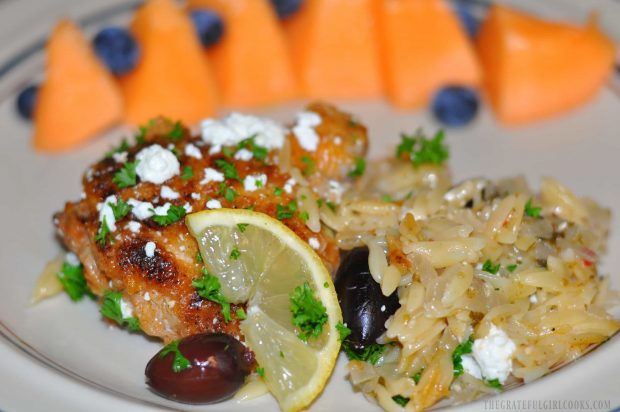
[173,78]
[251,62]
[78,98]
[335,50]
[536,69]
[424,47]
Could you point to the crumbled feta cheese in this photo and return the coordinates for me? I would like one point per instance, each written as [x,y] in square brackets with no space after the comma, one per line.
[533,299]
[72,259]
[168,193]
[147,296]
[149,249]
[254,182]
[314,243]
[288,185]
[236,127]
[338,140]
[195,196]
[382,308]
[193,151]
[243,154]
[105,211]
[156,164]
[141,210]
[470,366]
[214,204]
[126,309]
[493,353]
[188,208]
[304,131]
[212,175]
[162,210]
[133,226]
[120,157]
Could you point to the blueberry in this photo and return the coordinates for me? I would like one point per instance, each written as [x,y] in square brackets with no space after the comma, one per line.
[26,101]
[118,49]
[209,26]
[465,14]
[286,8]
[455,106]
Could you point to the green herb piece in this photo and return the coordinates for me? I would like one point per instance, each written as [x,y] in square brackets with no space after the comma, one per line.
[325,285]
[416,378]
[120,209]
[241,315]
[371,353]
[208,287]
[343,331]
[235,253]
[228,151]
[309,169]
[180,362]
[199,257]
[258,152]
[494,383]
[489,267]
[387,198]
[104,235]
[174,151]
[360,167]
[228,192]
[532,211]
[457,356]
[143,131]
[126,176]
[331,205]
[401,400]
[511,268]
[173,215]
[242,226]
[286,211]
[73,281]
[309,314]
[260,371]
[122,147]
[278,191]
[420,150]
[304,216]
[111,309]
[352,123]
[230,171]
[176,133]
[282,354]
[188,173]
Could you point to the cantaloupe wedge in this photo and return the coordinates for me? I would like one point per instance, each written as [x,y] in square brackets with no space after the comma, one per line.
[78,98]
[335,50]
[173,77]
[424,47]
[535,69]
[252,63]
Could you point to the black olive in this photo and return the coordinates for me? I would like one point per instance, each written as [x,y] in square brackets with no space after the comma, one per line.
[218,367]
[364,307]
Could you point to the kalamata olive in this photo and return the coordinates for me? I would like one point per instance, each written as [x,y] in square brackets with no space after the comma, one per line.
[218,365]
[364,307]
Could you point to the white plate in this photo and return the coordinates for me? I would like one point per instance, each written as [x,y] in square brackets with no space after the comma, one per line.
[60,356]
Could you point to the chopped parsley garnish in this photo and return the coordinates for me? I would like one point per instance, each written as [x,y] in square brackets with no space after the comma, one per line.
[235,253]
[122,147]
[418,375]
[309,169]
[258,152]
[126,176]
[532,211]
[174,151]
[457,356]
[360,167]
[494,383]
[73,281]
[387,198]
[141,135]
[242,226]
[188,173]
[420,150]
[230,171]
[228,151]
[260,371]
[208,287]
[111,309]
[352,123]
[173,215]
[228,192]
[176,133]
[309,314]
[371,353]
[199,257]
[282,354]
[286,211]
[511,268]
[401,400]
[241,315]
[180,362]
[489,267]
[120,209]
[343,331]
[104,235]
[278,191]
[304,216]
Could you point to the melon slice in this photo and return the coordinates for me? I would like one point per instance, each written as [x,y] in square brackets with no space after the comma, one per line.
[173,77]
[78,98]
[535,69]
[424,47]
[251,62]
[335,49]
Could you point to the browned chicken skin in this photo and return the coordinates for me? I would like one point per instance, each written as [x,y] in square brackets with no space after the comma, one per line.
[160,286]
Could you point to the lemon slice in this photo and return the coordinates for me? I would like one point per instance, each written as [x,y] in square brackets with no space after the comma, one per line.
[260,261]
